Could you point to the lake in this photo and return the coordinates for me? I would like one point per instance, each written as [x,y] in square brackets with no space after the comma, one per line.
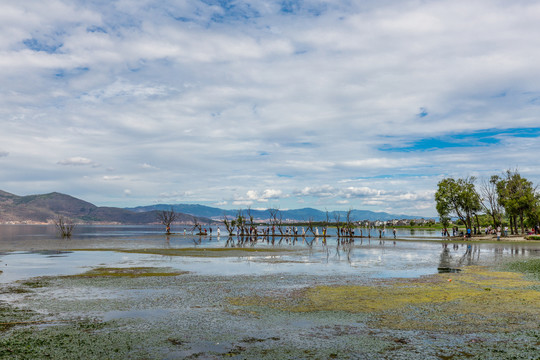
[34,250]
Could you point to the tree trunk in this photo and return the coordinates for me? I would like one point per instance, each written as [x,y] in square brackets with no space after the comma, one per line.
[511,225]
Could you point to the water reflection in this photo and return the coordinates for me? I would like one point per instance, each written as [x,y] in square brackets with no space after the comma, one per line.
[367,256]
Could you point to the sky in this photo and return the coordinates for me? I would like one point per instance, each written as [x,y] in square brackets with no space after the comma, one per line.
[290,104]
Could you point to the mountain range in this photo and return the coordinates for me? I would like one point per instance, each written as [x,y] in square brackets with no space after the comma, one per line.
[304,214]
[45,208]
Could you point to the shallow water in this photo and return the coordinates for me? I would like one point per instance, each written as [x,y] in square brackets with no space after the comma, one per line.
[30,251]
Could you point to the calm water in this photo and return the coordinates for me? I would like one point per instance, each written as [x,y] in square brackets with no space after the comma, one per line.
[28,251]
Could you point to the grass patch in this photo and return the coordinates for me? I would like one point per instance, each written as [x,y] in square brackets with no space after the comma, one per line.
[131,272]
[35,283]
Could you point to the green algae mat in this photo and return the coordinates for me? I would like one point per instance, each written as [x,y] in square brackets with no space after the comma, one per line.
[461,302]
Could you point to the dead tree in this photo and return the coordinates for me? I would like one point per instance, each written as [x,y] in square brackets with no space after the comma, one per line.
[327,222]
[337,217]
[228,225]
[276,220]
[196,225]
[64,226]
[348,223]
[241,222]
[166,218]
[310,226]
[250,217]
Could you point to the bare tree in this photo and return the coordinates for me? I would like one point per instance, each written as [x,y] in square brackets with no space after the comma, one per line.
[64,226]
[491,201]
[326,222]
[310,226]
[337,217]
[273,216]
[196,225]
[166,218]
[349,224]
[250,217]
[241,222]
[228,224]
[276,220]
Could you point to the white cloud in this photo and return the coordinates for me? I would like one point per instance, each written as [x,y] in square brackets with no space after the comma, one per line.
[148,166]
[319,191]
[354,192]
[292,109]
[259,196]
[77,161]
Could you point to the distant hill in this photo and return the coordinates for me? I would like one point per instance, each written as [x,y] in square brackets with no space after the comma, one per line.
[47,207]
[291,215]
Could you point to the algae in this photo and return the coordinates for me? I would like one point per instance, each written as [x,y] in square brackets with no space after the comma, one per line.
[131,272]
[495,301]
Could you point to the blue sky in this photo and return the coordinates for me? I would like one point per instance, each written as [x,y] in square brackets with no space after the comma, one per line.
[326,104]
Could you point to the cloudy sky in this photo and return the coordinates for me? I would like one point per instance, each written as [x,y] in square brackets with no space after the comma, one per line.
[327,104]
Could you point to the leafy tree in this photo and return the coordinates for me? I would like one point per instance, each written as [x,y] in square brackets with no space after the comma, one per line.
[518,197]
[458,197]
[444,220]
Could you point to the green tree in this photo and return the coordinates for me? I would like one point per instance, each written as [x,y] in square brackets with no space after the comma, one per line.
[518,197]
[458,198]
